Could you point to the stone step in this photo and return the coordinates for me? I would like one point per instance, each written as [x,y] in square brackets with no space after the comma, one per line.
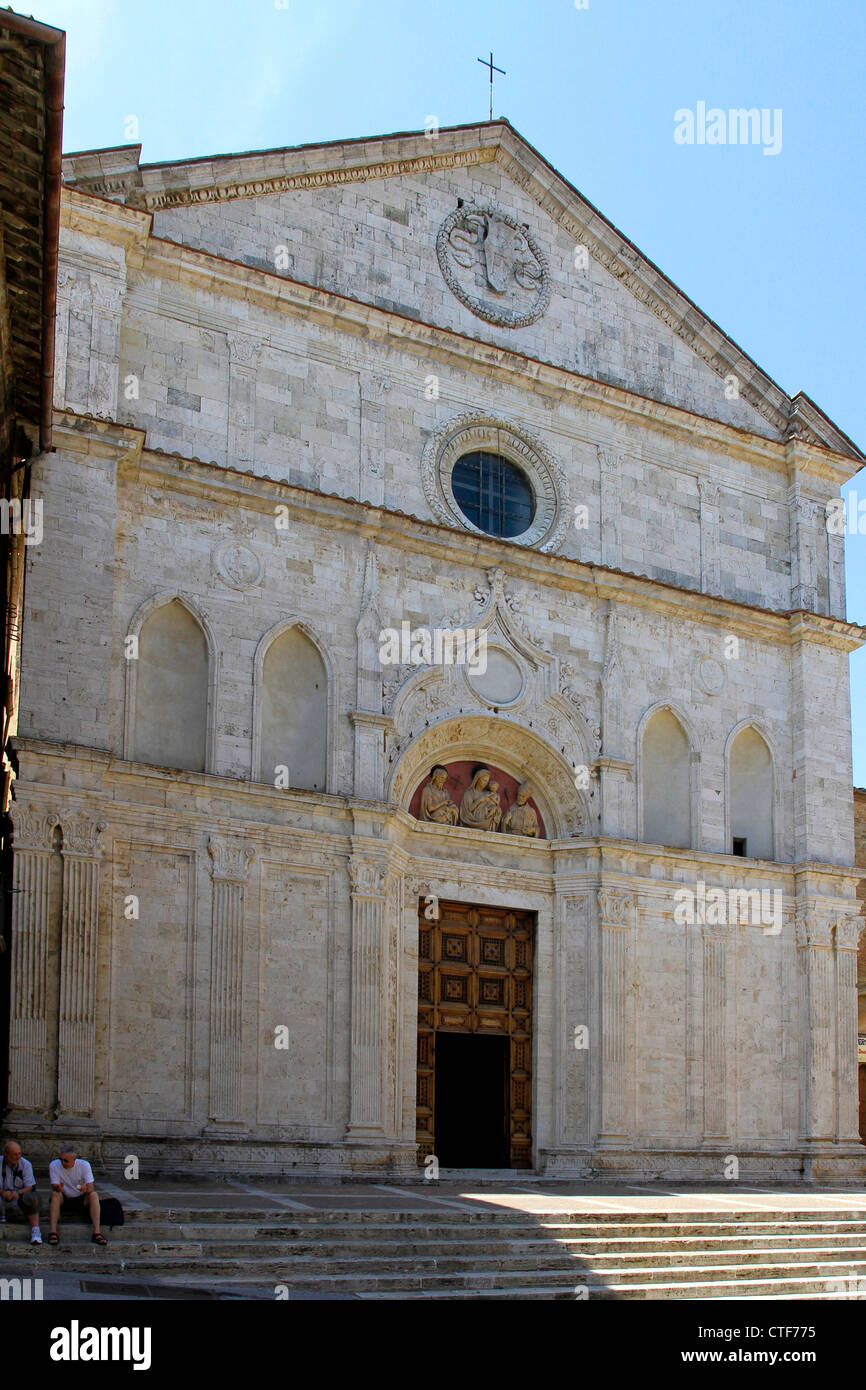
[363,1275]
[274,1255]
[794,1289]
[549,1285]
[787,1247]
[500,1217]
[156,1229]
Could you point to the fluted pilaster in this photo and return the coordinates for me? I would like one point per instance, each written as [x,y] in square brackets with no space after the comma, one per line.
[615,910]
[28,1014]
[79,924]
[846,938]
[369,984]
[715,1034]
[230,870]
[817,1023]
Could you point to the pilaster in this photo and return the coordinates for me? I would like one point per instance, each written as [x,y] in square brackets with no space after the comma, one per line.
[78,946]
[29,1073]
[230,871]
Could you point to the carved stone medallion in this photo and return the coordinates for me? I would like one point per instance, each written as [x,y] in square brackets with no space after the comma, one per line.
[237,565]
[493,265]
[710,675]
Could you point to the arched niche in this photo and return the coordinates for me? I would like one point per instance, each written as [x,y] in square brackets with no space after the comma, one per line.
[292,709]
[512,749]
[666,786]
[460,777]
[170,687]
[751,795]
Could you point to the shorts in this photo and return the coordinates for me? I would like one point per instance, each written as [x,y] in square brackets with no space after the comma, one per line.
[24,1206]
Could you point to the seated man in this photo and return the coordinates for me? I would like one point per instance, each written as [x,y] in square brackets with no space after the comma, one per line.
[73,1189]
[20,1198]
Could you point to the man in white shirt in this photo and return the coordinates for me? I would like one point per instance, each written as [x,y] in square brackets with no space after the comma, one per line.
[18,1186]
[72,1188]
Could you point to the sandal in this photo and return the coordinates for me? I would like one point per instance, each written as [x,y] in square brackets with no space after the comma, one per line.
[98,1238]
[53,1238]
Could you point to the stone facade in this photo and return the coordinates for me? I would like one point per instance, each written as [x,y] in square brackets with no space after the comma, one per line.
[860,861]
[266,370]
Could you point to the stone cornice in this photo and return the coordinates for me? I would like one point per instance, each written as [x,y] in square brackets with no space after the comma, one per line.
[107,792]
[157,199]
[384,527]
[85,434]
[103,217]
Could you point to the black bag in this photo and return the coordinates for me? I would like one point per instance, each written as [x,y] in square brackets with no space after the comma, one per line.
[110,1212]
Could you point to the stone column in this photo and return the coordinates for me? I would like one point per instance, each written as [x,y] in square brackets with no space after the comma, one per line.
[614,920]
[243,360]
[846,939]
[369,879]
[79,924]
[230,870]
[29,1082]
[710,562]
[715,1034]
[817,1032]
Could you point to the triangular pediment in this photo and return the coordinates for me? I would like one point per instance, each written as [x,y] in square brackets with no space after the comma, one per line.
[407,222]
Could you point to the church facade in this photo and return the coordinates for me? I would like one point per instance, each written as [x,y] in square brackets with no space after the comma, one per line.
[435,735]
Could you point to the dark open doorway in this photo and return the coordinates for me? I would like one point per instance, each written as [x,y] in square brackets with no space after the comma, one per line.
[472,1100]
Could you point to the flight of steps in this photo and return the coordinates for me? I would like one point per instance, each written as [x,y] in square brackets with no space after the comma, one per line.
[469,1254]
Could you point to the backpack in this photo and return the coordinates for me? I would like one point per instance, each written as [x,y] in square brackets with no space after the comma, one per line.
[110,1212]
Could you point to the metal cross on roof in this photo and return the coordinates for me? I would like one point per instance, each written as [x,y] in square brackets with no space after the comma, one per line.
[488,63]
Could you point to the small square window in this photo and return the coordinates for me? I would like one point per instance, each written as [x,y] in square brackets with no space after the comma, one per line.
[740,847]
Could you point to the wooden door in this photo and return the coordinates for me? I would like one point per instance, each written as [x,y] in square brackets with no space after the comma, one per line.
[475,976]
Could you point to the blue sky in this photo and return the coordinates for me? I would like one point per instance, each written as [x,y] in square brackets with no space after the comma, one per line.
[769,246]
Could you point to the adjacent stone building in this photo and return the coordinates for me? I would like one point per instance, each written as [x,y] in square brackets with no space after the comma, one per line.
[391,455]
[32,58]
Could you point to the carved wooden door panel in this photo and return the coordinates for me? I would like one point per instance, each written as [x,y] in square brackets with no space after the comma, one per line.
[475,976]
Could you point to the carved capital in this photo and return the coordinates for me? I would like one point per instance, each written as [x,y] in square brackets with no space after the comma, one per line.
[614,907]
[107,294]
[709,492]
[231,860]
[814,926]
[848,929]
[369,877]
[609,457]
[81,834]
[243,350]
[374,385]
[33,826]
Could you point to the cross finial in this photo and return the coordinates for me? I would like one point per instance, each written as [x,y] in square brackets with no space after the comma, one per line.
[489,63]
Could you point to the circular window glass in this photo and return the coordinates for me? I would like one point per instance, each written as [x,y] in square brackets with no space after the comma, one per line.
[493,494]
